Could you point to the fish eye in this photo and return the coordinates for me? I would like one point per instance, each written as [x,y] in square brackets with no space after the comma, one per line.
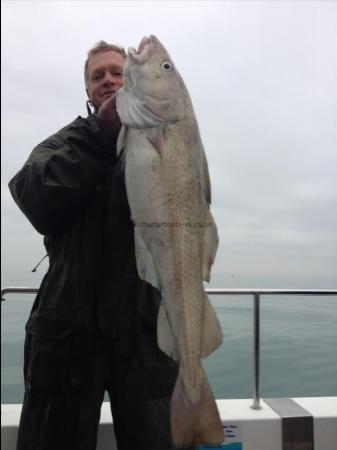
[167,66]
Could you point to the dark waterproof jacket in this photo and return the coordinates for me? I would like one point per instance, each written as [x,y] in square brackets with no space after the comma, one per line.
[72,190]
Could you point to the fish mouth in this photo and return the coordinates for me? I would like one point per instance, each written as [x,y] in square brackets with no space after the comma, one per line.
[142,53]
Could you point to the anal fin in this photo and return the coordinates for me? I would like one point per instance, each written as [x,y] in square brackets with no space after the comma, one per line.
[165,335]
[212,336]
[145,264]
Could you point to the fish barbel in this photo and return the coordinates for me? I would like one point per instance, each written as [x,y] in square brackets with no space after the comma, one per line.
[168,190]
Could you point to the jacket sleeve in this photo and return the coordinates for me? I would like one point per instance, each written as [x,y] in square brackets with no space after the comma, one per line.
[61,174]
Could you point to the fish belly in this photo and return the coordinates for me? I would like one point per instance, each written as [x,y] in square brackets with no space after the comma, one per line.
[164,195]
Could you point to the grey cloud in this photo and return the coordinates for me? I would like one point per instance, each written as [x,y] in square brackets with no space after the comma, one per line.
[262,78]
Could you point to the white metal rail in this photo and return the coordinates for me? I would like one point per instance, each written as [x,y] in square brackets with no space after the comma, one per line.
[255,293]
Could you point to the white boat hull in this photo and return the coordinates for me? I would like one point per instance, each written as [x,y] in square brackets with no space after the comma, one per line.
[255,429]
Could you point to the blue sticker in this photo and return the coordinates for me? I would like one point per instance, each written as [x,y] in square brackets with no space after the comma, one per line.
[230,446]
[232,435]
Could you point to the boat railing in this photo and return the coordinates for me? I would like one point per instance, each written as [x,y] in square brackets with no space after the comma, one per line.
[256,294]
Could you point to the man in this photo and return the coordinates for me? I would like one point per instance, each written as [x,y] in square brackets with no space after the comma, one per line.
[92,327]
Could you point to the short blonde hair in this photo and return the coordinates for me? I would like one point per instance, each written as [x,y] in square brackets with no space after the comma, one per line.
[102,46]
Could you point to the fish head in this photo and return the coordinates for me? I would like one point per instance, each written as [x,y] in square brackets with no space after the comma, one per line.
[154,84]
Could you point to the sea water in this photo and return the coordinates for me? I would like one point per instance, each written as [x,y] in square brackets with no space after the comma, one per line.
[298,347]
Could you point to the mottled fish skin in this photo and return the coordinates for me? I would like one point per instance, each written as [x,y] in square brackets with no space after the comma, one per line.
[168,190]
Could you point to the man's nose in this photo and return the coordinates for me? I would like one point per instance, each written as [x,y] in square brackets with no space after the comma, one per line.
[109,78]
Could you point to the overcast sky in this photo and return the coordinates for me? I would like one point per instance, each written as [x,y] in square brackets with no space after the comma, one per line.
[262,76]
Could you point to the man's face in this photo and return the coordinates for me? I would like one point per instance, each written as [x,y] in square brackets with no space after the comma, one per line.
[105,76]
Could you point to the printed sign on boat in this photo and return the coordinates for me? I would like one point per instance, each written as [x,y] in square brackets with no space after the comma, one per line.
[233,439]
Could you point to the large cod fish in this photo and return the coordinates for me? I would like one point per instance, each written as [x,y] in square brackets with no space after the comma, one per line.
[176,239]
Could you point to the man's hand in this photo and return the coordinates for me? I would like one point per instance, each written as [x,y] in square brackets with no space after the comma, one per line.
[108,119]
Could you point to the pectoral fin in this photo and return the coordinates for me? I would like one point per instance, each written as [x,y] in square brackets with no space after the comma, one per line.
[135,112]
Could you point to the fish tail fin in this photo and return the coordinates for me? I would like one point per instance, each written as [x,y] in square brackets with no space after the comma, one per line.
[195,423]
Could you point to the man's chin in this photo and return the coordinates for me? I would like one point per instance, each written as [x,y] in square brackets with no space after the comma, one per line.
[106,97]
